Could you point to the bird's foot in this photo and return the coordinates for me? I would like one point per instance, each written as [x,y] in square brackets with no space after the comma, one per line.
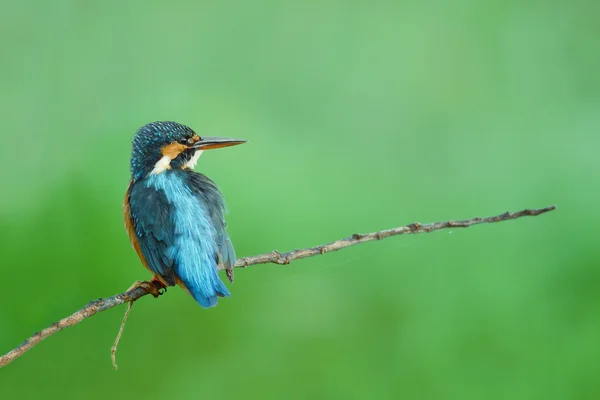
[153,287]
[159,284]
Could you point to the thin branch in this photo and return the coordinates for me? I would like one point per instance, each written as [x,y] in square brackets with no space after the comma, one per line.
[113,349]
[275,257]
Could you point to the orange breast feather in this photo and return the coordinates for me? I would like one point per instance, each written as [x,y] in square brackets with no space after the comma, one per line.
[131,230]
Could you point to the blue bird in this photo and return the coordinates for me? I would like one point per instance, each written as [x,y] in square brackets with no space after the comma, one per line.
[174,216]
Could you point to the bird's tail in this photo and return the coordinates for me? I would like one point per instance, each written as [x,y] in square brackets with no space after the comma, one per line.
[208,298]
[205,287]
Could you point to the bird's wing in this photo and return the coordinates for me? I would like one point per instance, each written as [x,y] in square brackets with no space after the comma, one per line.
[208,193]
[149,225]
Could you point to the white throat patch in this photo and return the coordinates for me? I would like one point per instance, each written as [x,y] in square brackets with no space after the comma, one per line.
[162,165]
[192,163]
[165,163]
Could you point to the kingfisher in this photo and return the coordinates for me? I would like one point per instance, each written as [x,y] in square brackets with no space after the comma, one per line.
[174,215]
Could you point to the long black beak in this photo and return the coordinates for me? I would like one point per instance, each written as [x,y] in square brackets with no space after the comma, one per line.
[211,142]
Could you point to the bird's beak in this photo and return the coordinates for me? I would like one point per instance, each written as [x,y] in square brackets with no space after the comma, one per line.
[211,142]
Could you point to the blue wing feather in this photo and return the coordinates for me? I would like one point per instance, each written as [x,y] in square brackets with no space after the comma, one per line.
[211,197]
[151,217]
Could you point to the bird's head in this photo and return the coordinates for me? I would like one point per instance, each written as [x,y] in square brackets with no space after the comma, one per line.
[159,146]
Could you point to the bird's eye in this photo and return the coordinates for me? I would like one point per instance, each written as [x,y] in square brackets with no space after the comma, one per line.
[183,141]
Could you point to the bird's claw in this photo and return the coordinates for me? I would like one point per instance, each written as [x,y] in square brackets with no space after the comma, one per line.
[153,287]
[161,286]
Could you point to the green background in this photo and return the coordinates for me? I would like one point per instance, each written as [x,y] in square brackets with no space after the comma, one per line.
[360,116]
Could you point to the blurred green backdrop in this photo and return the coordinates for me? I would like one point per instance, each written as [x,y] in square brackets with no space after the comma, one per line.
[360,116]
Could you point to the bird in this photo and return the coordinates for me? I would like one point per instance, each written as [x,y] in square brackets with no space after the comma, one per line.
[174,216]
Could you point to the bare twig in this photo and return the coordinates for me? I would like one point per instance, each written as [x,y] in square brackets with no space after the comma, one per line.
[113,349]
[275,257]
